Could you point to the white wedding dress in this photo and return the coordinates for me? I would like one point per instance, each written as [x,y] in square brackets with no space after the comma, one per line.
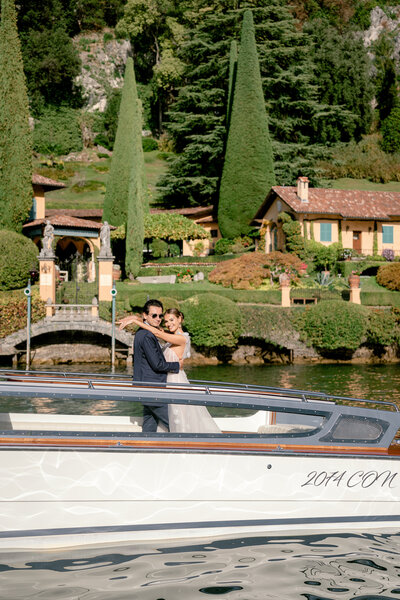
[184,418]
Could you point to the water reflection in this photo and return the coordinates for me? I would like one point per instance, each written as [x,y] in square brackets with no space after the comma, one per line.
[314,567]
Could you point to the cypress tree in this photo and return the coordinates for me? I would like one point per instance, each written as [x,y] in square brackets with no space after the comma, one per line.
[233,56]
[127,153]
[248,171]
[15,134]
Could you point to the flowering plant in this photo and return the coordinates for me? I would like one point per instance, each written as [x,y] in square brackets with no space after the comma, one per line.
[388,254]
[184,276]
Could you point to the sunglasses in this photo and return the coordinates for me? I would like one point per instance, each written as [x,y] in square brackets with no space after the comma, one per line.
[156,315]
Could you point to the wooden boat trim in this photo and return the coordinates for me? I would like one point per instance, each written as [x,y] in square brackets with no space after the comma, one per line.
[185,445]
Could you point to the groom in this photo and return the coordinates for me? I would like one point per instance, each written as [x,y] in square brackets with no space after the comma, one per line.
[150,365]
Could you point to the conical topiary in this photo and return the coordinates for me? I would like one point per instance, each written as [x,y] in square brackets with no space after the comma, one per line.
[248,171]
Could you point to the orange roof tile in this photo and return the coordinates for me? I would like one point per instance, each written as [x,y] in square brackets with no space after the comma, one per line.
[67,221]
[349,204]
[46,182]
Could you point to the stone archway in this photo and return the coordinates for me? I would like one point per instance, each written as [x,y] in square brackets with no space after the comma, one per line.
[76,258]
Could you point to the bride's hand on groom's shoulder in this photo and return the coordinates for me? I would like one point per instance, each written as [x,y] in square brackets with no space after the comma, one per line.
[134,319]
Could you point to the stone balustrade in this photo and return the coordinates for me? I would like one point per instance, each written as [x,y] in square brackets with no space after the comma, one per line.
[72,312]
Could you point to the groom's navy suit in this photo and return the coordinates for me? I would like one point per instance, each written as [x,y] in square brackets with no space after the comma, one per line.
[149,364]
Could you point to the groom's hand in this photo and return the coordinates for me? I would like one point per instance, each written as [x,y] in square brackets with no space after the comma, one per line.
[180,364]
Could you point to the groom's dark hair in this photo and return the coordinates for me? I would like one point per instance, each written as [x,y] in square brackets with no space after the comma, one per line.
[149,303]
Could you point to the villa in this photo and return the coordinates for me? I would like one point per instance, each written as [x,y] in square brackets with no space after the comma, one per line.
[365,221]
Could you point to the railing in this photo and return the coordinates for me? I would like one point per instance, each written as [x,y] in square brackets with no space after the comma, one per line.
[73,312]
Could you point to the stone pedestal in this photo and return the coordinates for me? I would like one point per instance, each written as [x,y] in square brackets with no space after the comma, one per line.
[354,282]
[284,282]
[355,296]
[47,280]
[105,277]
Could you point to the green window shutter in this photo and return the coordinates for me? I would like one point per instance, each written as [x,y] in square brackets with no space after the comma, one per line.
[387,234]
[325,232]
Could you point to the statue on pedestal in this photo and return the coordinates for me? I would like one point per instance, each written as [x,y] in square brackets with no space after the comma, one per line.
[47,241]
[105,247]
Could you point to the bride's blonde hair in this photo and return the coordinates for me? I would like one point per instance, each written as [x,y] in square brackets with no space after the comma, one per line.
[174,311]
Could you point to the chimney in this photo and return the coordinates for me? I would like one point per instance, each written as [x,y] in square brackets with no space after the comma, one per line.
[302,188]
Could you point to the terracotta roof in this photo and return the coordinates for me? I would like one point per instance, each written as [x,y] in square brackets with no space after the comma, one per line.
[81,213]
[349,204]
[67,221]
[50,184]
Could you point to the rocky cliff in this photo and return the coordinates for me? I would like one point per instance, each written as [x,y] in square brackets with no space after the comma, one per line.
[103,63]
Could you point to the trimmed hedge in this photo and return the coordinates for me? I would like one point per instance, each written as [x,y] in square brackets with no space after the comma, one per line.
[183,291]
[332,326]
[18,255]
[213,321]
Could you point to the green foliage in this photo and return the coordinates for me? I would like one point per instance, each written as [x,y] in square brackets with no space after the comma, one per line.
[149,144]
[135,202]
[389,276]
[109,124]
[159,248]
[212,320]
[385,75]
[323,257]
[18,255]
[248,171]
[332,326]
[268,323]
[57,131]
[15,135]
[382,328]
[172,226]
[342,72]
[14,309]
[224,246]
[391,131]
[138,299]
[294,241]
[127,153]
[365,160]
[51,64]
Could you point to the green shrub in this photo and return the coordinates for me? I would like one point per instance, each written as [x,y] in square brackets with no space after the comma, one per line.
[212,320]
[14,309]
[389,276]
[223,246]
[332,326]
[149,144]
[365,160]
[382,328]
[159,248]
[139,299]
[323,257]
[294,240]
[18,255]
[390,130]
[58,132]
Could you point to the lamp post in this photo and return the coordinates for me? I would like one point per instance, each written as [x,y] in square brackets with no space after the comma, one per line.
[28,294]
[113,293]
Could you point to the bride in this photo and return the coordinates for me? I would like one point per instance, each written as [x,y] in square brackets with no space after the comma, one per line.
[182,417]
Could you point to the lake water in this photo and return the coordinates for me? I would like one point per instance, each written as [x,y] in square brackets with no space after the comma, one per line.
[348,566]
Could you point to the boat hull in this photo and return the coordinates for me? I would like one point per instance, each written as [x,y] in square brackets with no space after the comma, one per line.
[57,497]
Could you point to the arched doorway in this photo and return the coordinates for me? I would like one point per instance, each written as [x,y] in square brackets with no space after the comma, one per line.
[75,259]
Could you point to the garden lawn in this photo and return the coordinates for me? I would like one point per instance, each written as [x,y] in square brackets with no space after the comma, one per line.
[86,184]
[346,183]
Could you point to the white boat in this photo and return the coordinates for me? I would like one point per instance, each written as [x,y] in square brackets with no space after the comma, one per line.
[295,462]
